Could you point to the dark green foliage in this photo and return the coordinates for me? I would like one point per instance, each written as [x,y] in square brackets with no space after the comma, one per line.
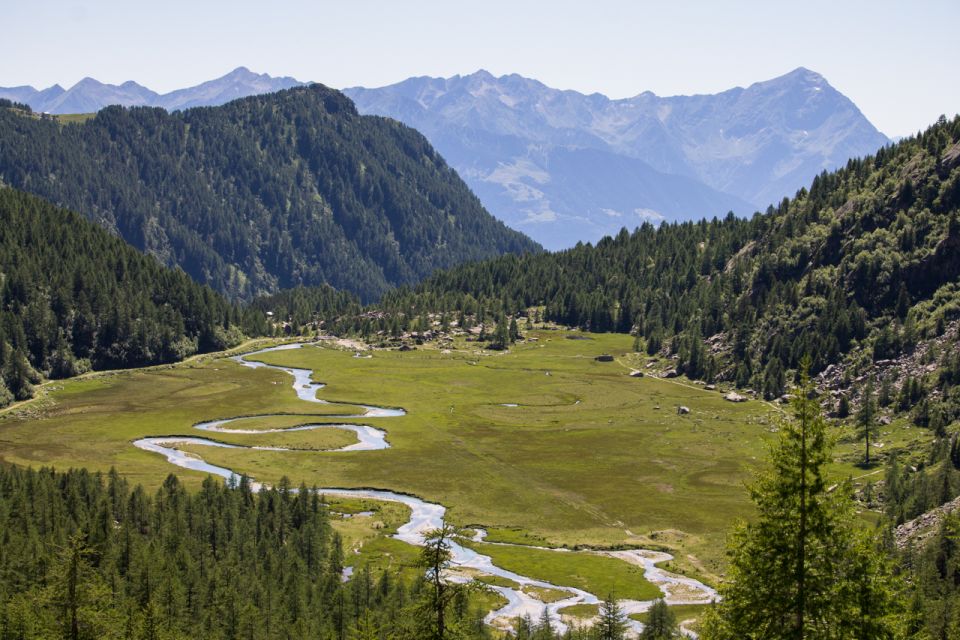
[264,193]
[910,491]
[612,624]
[937,583]
[803,568]
[86,556]
[301,308]
[857,261]
[661,623]
[73,296]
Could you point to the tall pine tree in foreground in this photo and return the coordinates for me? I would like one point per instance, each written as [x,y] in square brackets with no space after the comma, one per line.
[804,569]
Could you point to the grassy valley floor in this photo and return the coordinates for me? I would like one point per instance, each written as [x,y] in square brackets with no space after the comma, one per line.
[589,456]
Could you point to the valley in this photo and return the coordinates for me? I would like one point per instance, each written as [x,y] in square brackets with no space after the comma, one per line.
[537,451]
[587,456]
[638,335]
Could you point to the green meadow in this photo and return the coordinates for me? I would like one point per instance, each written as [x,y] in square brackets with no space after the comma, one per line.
[589,456]
[591,572]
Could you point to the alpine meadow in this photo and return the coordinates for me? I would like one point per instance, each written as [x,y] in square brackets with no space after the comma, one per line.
[477,358]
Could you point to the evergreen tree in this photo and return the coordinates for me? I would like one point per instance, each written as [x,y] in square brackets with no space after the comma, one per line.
[612,623]
[501,335]
[802,570]
[544,630]
[439,593]
[661,624]
[866,418]
[514,330]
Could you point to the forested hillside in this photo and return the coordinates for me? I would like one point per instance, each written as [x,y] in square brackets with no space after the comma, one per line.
[74,297]
[261,194]
[88,557]
[860,268]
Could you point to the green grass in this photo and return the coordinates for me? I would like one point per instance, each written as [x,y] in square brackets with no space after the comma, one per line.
[497,581]
[79,118]
[584,611]
[546,595]
[515,535]
[592,456]
[365,538]
[600,575]
[325,439]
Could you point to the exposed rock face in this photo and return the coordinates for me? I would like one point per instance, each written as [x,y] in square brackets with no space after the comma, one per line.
[918,531]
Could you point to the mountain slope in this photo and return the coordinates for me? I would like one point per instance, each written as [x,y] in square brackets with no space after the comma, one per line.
[89,95]
[738,150]
[73,296]
[268,192]
[861,272]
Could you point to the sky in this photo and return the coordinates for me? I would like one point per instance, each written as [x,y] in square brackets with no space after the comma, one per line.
[894,59]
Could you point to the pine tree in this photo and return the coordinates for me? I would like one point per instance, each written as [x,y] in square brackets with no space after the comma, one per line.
[866,418]
[785,580]
[661,624]
[501,335]
[612,624]
[439,593]
[514,330]
[544,630]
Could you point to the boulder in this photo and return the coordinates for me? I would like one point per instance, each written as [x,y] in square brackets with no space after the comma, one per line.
[682,410]
[733,396]
[669,373]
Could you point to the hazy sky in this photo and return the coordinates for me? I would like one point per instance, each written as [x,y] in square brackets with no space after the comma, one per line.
[896,60]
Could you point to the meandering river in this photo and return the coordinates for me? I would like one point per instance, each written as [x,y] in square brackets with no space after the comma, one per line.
[424,516]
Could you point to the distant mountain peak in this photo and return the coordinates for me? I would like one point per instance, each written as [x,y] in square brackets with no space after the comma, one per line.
[805,73]
[89,94]
[555,162]
[800,75]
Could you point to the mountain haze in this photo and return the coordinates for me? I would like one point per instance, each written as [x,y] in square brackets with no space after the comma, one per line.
[564,166]
[89,95]
[276,191]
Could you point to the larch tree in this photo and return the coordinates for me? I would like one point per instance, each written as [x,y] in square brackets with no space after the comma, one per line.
[803,569]
[612,623]
[866,418]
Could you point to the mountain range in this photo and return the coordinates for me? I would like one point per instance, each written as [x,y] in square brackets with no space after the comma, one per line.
[89,95]
[563,166]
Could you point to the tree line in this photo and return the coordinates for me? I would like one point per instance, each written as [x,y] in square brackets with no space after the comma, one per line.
[86,556]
